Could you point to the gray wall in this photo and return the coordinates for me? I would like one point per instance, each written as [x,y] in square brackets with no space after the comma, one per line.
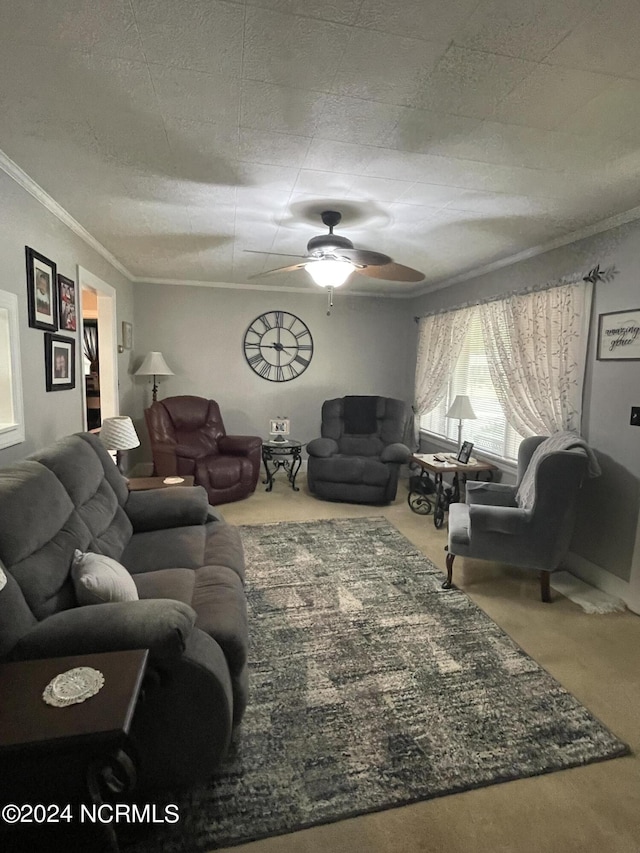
[610,505]
[25,222]
[364,347]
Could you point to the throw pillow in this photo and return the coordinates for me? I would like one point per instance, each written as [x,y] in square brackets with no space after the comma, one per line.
[98,579]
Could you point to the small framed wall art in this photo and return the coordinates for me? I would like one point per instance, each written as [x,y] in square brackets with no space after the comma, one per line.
[619,336]
[67,311]
[60,362]
[42,292]
[127,335]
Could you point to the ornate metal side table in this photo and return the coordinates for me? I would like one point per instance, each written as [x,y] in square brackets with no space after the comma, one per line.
[444,495]
[285,454]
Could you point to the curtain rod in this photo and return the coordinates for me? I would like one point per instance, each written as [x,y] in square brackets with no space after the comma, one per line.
[594,275]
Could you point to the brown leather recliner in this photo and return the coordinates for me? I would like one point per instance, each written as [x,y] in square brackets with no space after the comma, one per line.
[188,437]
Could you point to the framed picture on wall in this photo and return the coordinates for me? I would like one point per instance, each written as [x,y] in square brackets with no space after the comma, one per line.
[127,335]
[42,294]
[67,310]
[60,362]
[619,336]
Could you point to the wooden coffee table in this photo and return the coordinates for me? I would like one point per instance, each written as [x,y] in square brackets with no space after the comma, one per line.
[445,495]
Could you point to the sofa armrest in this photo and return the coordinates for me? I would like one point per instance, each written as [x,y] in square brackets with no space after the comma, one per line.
[396,452]
[176,506]
[497,519]
[322,447]
[239,445]
[490,494]
[160,625]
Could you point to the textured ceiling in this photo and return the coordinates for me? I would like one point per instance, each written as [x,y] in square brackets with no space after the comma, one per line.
[450,134]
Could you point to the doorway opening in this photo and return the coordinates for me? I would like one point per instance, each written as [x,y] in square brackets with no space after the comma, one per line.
[99,349]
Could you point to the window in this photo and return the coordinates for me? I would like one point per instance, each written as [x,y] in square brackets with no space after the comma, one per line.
[490,432]
[11,414]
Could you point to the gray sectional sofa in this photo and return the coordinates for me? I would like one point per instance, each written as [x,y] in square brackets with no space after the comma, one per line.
[188,569]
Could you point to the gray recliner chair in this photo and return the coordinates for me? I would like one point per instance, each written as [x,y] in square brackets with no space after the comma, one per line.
[530,524]
[359,455]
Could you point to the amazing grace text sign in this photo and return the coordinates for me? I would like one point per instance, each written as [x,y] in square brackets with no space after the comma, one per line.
[619,336]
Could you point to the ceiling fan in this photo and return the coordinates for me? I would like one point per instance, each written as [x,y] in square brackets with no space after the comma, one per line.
[331,259]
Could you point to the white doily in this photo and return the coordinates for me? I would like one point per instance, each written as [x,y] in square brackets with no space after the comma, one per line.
[173,481]
[72,686]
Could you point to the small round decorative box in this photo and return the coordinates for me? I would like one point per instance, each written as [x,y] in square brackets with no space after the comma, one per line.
[73,686]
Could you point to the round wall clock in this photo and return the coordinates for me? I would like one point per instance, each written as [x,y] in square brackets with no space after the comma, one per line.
[278,346]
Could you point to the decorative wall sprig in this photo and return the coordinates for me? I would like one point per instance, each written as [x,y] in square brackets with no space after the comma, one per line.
[596,274]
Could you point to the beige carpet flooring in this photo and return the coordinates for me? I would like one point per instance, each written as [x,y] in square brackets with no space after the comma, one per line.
[596,657]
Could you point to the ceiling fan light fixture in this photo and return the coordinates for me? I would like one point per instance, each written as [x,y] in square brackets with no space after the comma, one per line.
[329,273]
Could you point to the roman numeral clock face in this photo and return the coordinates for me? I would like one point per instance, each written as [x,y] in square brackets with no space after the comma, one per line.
[278,346]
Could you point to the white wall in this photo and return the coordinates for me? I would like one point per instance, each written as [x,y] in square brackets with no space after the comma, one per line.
[363,347]
[25,222]
[606,547]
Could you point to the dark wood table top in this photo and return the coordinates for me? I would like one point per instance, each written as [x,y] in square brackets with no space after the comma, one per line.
[144,484]
[26,720]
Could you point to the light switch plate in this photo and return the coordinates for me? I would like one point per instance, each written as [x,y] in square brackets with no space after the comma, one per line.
[635,416]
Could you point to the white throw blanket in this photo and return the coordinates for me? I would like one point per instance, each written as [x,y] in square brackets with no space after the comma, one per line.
[525,496]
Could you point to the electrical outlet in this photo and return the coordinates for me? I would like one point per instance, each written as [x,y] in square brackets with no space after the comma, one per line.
[635,416]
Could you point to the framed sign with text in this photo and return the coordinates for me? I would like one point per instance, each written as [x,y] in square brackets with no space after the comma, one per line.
[619,336]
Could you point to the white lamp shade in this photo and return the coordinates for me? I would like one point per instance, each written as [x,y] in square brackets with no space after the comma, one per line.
[329,273]
[154,365]
[119,433]
[461,408]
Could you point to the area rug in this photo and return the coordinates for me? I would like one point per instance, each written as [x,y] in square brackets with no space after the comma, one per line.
[372,687]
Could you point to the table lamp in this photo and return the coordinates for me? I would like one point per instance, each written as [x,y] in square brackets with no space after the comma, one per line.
[461,409]
[119,434]
[154,365]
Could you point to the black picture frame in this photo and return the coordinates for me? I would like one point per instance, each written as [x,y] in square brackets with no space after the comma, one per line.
[67,304]
[59,362]
[42,291]
[465,452]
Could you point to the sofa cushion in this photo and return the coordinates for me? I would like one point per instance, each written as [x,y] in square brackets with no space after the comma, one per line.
[214,543]
[16,617]
[176,584]
[219,602]
[97,579]
[352,469]
[181,547]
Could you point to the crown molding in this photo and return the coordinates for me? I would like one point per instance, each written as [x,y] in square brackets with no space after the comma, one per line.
[27,183]
[575,236]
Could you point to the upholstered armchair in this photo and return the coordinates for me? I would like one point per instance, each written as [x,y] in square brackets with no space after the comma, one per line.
[359,456]
[528,525]
[188,437]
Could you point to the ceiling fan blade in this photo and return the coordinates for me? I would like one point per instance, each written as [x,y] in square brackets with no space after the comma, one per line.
[279,254]
[392,272]
[363,256]
[279,269]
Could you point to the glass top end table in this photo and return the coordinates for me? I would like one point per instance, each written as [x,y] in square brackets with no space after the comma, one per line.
[285,454]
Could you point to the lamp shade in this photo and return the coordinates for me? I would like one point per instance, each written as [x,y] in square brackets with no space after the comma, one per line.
[329,273]
[154,365]
[461,408]
[119,433]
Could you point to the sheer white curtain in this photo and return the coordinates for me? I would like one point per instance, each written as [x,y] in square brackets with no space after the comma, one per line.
[536,347]
[440,340]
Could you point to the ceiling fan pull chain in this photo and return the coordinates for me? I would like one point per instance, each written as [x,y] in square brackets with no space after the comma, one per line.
[329,300]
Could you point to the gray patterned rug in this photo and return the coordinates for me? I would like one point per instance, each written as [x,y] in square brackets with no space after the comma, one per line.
[372,687]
